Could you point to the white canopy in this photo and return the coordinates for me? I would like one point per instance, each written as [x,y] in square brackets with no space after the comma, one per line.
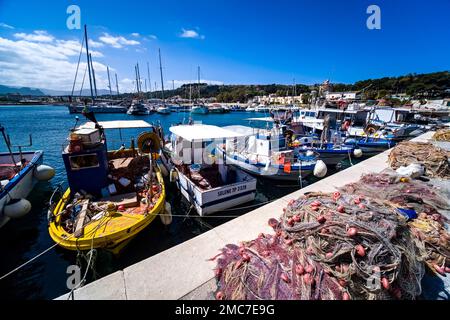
[198,132]
[119,124]
[266,119]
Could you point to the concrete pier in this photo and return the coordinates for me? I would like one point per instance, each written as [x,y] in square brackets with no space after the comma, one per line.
[184,272]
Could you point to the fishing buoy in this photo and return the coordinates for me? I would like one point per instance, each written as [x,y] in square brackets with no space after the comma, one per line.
[17,208]
[357,153]
[44,173]
[173,175]
[163,170]
[320,169]
[166,215]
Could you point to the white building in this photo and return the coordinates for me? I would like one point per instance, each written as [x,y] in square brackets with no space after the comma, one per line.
[343,96]
[274,99]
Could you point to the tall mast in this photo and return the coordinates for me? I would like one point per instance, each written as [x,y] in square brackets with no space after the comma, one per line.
[190,93]
[198,76]
[136,75]
[162,80]
[88,62]
[117,85]
[149,79]
[145,82]
[139,77]
[109,81]
[173,84]
[93,75]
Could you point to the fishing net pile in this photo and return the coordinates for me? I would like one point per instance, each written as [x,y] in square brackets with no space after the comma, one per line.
[326,246]
[442,135]
[422,202]
[435,160]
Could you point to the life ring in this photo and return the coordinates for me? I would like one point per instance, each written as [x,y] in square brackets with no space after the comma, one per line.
[370,129]
[148,142]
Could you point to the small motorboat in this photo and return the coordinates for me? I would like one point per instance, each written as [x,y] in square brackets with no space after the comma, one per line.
[371,146]
[19,172]
[199,109]
[112,195]
[331,153]
[138,109]
[163,110]
[264,153]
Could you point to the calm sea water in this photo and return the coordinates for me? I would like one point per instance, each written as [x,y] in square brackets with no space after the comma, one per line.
[23,239]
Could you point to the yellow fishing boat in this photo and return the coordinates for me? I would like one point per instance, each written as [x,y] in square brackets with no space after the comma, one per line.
[112,195]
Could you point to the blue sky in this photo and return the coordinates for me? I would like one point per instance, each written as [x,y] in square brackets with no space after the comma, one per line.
[233,41]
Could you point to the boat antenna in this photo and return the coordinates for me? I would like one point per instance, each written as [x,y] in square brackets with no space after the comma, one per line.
[162,80]
[76,122]
[88,63]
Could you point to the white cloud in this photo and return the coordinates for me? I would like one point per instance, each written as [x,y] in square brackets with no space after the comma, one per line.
[150,37]
[36,36]
[31,62]
[192,34]
[117,42]
[6,26]
[95,44]
[135,34]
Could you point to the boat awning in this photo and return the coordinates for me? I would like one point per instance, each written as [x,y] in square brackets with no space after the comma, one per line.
[265,119]
[119,124]
[199,132]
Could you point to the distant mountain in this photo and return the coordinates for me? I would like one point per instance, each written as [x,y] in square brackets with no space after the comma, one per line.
[85,92]
[24,91]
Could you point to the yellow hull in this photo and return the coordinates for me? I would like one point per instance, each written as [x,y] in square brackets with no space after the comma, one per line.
[110,232]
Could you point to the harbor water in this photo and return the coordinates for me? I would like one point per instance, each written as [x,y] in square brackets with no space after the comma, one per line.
[23,239]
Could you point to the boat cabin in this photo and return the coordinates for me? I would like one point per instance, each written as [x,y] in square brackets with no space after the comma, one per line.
[88,163]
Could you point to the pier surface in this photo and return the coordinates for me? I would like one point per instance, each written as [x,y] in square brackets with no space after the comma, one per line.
[184,272]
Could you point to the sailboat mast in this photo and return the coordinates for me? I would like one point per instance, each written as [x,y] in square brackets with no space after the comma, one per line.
[198,76]
[109,81]
[88,62]
[117,85]
[139,77]
[137,81]
[93,75]
[149,79]
[162,80]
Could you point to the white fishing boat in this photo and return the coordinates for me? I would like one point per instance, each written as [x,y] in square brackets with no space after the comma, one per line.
[250,109]
[264,152]
[19,172]
[262,108]
[207,182]
[138,109]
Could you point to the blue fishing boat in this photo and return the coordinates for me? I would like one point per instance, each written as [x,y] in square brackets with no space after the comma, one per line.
[371,146]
